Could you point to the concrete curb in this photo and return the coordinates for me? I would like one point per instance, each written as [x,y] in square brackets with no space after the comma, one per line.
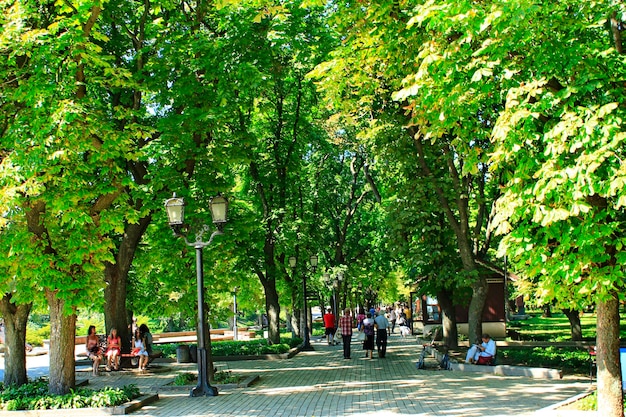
[569,401]
[508,370]
[504,370]
[135,404]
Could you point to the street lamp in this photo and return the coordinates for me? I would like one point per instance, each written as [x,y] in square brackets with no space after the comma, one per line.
[360,296]
[175,207]
[235,313]
[306,345]
[292,264]
[340,296]
[332,285]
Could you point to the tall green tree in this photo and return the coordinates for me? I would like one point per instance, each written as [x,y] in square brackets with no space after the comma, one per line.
[271,50]
[61,164]
[561,140]
[20,292]
[390,73]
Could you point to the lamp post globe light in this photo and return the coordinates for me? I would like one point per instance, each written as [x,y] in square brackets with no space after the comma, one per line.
[175,208]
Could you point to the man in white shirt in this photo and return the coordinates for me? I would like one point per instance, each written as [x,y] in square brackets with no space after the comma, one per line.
[484,353]
[381,324]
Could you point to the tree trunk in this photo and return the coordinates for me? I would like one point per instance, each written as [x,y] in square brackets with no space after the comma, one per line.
[476,307]
[116,277]
[115,315]
[574,323]
[450,332]
[15,319]
[62,346]
[272,307]
[610,403]
[296,313]
[547,311]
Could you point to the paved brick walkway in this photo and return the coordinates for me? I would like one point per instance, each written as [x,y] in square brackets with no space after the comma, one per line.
[322,383]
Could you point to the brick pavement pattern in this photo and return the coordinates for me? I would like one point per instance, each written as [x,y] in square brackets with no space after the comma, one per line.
[321,383]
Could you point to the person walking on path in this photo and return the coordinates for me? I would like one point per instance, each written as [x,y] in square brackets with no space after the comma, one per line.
[345,322]
[392,319]
[382,324]
[359,319]
[329,325]
[368,329]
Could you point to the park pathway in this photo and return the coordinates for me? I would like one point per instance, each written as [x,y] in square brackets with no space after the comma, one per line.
[321,383]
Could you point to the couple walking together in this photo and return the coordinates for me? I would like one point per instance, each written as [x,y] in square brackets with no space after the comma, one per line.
[370,326]
[380,323]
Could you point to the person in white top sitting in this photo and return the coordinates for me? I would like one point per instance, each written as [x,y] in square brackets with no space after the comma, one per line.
[484,353]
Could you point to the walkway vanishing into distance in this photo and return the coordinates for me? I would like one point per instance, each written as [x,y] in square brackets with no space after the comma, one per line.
[322,383]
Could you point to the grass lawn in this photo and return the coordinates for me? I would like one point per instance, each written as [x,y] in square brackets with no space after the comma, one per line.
[555,328]
[572,360]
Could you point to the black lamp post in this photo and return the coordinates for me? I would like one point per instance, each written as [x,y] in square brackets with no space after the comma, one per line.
[292,264]
[306,344]
[176,214]
[336,287]
[360,296]
[333,285]
[235,335]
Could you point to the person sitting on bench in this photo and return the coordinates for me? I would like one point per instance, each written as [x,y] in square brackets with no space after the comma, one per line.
[94,351]
[114,349]
[483,353]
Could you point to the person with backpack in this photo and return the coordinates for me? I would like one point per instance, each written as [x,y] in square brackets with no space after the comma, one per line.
[368,329]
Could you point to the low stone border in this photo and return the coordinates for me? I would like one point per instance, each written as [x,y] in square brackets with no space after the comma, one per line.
[504,370]
[568,401]
[220,387]
[126,408]
[508,370]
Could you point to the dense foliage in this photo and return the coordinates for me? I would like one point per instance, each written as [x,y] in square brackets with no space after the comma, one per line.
[241,347]
[34,396]
[571,360]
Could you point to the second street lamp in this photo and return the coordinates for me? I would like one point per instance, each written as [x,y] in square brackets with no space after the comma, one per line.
[306,345]
[235,335]
[176,216]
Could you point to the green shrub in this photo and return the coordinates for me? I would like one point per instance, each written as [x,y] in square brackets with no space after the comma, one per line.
[226,377]
[570,358]
[293,342]
[240,347]
[34,396]
[35,335]
[168,349]
[185,378]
